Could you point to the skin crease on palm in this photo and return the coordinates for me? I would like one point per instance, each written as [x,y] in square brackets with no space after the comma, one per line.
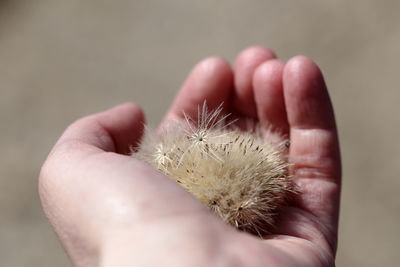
[109,209]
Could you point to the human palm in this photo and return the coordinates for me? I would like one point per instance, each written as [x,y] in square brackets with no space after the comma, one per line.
[112,210]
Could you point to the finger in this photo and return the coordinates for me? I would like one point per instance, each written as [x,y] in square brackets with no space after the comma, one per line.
[245,65]
[314,152]
[211,80]
[115,130]
[268,95]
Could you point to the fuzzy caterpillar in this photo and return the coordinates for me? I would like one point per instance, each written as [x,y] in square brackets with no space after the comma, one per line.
[241,176]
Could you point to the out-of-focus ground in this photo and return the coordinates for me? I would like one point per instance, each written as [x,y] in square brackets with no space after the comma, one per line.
[60,60]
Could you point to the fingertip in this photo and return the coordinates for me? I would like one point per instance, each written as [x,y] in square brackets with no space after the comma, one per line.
[269,70]
[129,109]
[214,63]
[254,52]
[245,64]
[208,72]
[125,124]
[307,100]
[210,80]
[268,94]
[302,68]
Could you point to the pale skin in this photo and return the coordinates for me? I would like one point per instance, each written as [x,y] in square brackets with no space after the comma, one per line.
[110,209]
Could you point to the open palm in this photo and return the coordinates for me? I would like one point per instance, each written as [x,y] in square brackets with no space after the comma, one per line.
[112,210]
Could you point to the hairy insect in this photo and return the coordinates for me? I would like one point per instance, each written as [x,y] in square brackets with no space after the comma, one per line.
[240,175]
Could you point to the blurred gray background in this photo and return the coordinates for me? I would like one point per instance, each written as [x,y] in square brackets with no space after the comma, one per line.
[60,60]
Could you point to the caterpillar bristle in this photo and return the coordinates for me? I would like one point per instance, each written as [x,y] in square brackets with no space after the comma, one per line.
[239,175]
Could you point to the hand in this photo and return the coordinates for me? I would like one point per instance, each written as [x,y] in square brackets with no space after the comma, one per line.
[109,209]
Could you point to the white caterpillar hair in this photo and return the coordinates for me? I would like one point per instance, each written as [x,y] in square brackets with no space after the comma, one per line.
[239,175]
